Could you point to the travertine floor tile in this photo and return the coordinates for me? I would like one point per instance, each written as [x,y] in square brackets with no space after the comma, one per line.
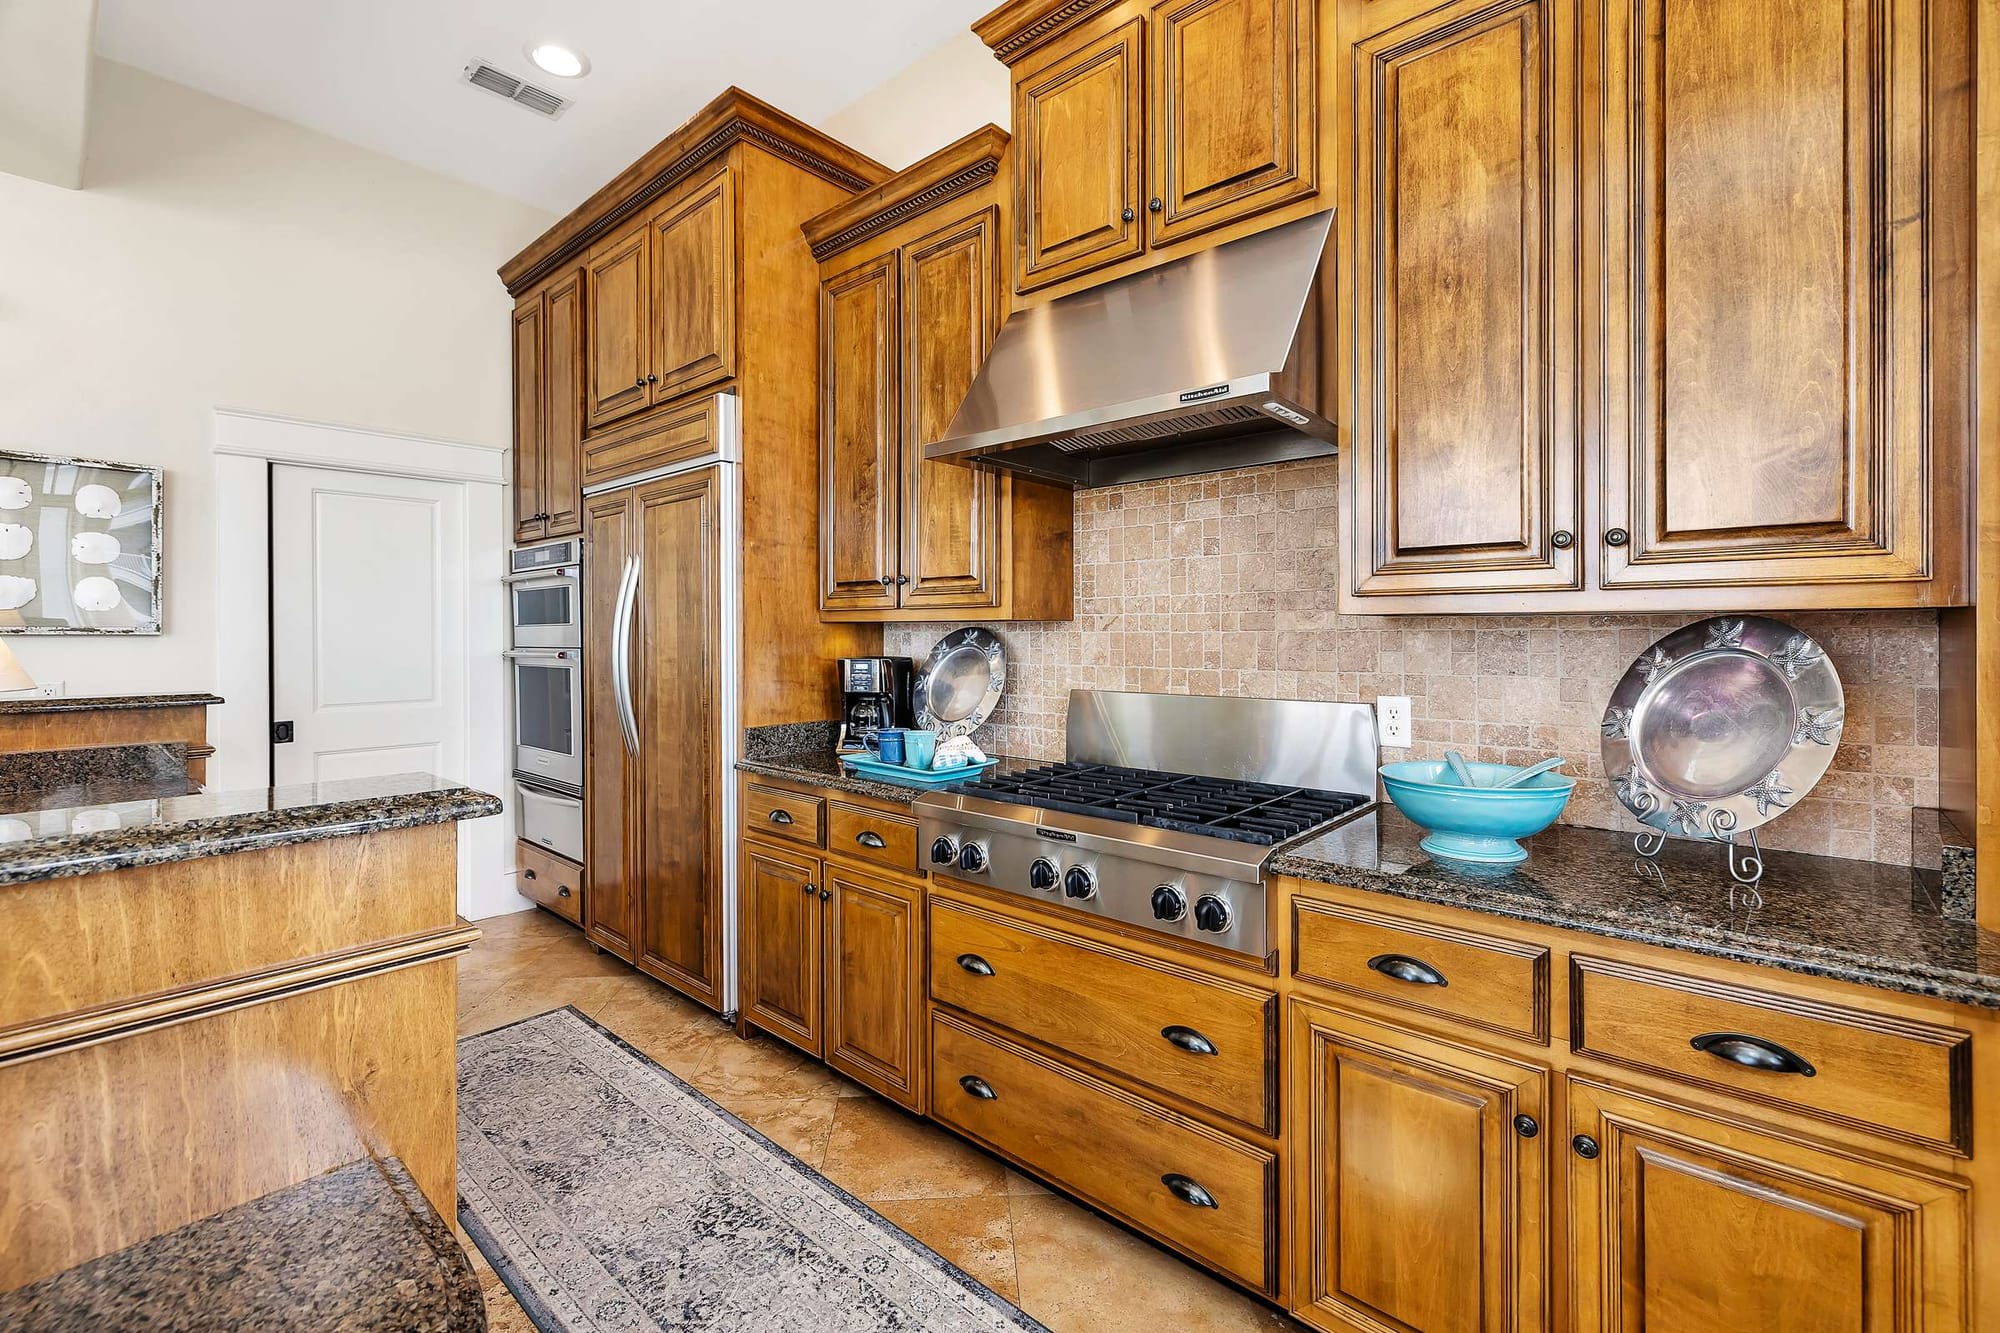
[877,1152]
[799,1125]
[974,1233]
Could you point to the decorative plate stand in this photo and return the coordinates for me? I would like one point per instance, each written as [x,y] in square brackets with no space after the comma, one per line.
[959,684]
[1718,728]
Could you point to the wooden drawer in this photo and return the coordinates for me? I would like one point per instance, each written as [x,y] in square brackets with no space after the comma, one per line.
[553,881]
[1113,1007]
[771,812]
[1907,1079]
[1467,977]
[871,835]
[672,435]
[1115,1150]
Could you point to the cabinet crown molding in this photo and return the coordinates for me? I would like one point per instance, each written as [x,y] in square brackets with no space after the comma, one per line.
[732,118]
[951,171]
[1018,27]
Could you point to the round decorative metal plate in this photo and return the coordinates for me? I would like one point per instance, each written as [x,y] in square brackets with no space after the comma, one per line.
[960,682]
[1721,726]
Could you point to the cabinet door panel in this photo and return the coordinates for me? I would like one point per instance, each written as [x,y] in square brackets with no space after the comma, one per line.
[1684,1225]
[611,890]
[619,311]
[1234,111]
[1465,452]
[530,367]
[562,411]
[694,288]
[1421,1203]
[874,983]
[781,914]
[859,504]
[1765,419]
[951,514]
[1078,126]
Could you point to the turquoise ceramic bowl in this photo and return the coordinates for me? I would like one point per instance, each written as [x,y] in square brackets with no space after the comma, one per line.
[1478,824]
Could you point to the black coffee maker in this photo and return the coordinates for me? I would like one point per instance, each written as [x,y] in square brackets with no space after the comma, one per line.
[874,693]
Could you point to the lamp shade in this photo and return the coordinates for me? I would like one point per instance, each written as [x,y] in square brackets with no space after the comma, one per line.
[13,676]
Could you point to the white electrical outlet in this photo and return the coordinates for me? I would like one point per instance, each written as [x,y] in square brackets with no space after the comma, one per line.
[1392,721]
[48,689]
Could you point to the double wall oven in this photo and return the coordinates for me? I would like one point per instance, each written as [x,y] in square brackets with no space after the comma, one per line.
[545,596]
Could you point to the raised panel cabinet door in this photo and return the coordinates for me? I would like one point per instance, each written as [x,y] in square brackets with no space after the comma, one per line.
[694,288]
[610,874]
[1421,1181]
[619,345]
[859,501]
[1457,219]
[950,513]
[1234,112]
[1078,129]
[1767,332]
[562,410]
[781,951]
[676,683]
[874,972]
[530,362]
[1681,1224]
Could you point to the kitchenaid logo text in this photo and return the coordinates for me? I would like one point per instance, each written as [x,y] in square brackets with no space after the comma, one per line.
[1055,835]
[1196,395]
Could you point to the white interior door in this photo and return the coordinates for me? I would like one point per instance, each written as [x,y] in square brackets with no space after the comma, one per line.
[368,607]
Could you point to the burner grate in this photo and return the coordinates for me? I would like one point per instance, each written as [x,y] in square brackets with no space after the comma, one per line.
[1253,812]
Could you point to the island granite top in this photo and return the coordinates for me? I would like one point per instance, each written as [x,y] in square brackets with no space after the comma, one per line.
[101,703]
[1857,921]
[50,835]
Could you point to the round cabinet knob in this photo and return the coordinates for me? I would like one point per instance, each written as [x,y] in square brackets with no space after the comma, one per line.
[1128,215]
[1617,537]
[1169,903]
[1044,874]
[1078,882]
[1154,205]
[972,858]
[1212,913]
[944,852]
[1584,1146]
[1562,539]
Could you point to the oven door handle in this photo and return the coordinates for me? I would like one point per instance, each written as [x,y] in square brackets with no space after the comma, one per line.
[562,656]
[553,577]
[621,654]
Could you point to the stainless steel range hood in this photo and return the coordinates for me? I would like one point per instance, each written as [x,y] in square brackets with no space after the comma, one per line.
[1205,363]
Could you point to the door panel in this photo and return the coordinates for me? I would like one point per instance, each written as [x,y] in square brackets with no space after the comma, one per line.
[1685,1225]
[1234,111]
[694,288]
[1078,126]
[951,513]
[781,915]
[874,983]
[611,890]
[1465,451]
[859,503]
[530,368]
[562,410]
[676,684]
[620,339]
[1422,1202]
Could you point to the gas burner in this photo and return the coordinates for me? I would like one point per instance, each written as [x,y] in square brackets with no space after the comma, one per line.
[1256,812]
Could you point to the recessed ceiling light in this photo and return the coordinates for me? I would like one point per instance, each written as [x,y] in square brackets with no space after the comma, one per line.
[558,60]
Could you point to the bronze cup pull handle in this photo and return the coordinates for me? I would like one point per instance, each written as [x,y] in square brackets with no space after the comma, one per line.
[1187,1039]
[1752,1053]
[1402,967]
[870,838]
[1187,1191]
[978,1087]
[976,965]
[781,817]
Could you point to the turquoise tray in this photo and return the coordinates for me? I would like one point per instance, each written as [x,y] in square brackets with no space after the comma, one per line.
[868,766]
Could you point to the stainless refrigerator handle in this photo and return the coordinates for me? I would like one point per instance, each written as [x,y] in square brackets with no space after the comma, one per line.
[621,655]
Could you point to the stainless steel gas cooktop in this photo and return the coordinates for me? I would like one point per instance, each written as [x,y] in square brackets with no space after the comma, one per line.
[1164,812]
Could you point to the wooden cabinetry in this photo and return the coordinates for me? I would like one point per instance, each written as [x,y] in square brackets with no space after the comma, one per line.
[552,881]
[619,348]
[911,296]
[1766,406]
[1082,123]
[548,409]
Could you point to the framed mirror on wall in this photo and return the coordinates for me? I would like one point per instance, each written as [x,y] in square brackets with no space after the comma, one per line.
[80,544]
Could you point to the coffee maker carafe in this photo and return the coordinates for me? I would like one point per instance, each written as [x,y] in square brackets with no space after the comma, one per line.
[874,693]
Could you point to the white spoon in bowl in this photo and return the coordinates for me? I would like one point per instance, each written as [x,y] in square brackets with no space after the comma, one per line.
[1521,775]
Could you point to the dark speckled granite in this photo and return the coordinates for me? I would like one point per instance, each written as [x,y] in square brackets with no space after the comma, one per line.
[49,837]
[1943,858]
[1857,921]
[789,738]
[105,703]
[91,766]
[821,768]
[356,1248]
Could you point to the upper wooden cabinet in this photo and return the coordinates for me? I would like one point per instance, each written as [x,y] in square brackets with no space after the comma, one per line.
[1763,405]
[694,287]
[912,292]
[1141,123]
[620,346]
[548,409]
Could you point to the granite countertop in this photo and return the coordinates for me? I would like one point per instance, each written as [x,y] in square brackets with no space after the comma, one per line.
[357,1248]
[822,768]
[105,702]
[51,834]
[1857,921]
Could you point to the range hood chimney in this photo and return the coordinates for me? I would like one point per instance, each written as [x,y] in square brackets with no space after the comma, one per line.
[1204,363]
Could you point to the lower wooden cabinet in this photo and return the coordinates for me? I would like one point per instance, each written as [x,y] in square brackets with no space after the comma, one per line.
[779,908]
[551,881]
[1420,1174]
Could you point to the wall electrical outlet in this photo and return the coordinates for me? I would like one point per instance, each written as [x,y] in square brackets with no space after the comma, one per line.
[1392,721]
[48,689]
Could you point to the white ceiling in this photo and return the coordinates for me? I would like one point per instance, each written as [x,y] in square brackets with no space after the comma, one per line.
[386,74]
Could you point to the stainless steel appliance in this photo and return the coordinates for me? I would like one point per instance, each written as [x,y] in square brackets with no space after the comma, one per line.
[548,716]
[1164,812]
[545,595]
[549,819]
[874,693]
[1201,364]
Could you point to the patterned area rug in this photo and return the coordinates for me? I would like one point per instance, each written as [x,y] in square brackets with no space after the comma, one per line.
[610,1195]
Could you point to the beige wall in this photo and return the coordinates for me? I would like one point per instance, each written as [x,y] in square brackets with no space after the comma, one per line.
[943,96]
[216,257]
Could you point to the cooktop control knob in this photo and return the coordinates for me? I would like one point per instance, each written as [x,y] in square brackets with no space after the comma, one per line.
[1212,913]
[1078,882]
[944,851]
[972,857]
[1169,903]
[1044,874]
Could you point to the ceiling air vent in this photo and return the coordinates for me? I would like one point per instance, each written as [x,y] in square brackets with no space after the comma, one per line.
[500,83]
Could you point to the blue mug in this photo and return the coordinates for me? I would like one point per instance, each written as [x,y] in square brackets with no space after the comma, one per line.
[889,744]
[920,748]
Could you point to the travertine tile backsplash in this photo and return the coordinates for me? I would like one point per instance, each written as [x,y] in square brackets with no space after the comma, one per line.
[1225,584]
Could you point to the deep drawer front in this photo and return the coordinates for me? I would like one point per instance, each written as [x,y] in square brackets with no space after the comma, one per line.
[1195,1188]
[1908,1079]
[871,835]
[1468,977]
[1209,1041]
[770,812]
[550,880]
